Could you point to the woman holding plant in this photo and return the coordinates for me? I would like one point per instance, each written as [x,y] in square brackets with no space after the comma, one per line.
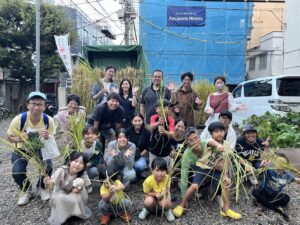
[128,100]
[69,195]
[219,101]
[185,99]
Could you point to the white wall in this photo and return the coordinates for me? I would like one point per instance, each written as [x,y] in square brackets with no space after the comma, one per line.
[291,37]
[271,45]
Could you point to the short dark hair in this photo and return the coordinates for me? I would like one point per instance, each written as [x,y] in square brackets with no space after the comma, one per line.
[226,113]
[220,78]
[215,126]
[75,98]
[92,128]
[157,70]
[114,96]
[187,74]
[160,164]
[112,173]
[188,131]
[76,155]
[110,67]
[178,120]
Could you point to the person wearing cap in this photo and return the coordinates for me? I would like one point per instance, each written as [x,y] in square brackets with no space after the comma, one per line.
[185,100]
[249,146]
[225,118]
[108,118]
[151,94]
[32,121]
[162,127]
[207,167]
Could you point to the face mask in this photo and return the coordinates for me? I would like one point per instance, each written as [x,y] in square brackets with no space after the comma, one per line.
[220,87]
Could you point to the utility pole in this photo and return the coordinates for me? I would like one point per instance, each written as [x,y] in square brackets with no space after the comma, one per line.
[37,46]
[128,17]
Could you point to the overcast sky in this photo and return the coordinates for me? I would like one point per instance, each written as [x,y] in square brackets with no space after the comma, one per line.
[99,9]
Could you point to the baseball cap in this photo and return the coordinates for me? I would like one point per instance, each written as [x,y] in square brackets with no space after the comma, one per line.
[189,131]
[249,127]
[36,94]
[226,113]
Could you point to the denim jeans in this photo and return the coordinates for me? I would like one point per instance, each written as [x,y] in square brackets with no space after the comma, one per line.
[140,166]
[92,172]
[128,175]
[19,171]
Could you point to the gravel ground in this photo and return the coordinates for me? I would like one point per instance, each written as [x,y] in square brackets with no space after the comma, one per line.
[201,211]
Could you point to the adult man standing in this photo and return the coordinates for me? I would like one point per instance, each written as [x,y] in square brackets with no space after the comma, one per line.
[151,94]
[100,95]
[33,122]
[186,100]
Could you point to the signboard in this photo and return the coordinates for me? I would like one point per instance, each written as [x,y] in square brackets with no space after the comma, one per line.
[64,51]
[183,16]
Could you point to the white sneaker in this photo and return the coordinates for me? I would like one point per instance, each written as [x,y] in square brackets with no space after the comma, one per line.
[143,214]
[45,195]
[89,189]
[169,215]
[24,198]
[219,199]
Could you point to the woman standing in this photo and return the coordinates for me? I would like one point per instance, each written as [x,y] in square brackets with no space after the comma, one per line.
[128,100]
[69,196]
[140,136]
[220,100]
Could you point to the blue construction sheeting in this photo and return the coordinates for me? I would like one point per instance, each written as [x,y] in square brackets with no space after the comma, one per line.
[218,48]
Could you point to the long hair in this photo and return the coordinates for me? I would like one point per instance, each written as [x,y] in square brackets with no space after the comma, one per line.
[137,114]
[121,93]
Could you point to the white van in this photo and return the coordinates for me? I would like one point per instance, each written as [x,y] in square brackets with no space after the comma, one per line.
[276,94]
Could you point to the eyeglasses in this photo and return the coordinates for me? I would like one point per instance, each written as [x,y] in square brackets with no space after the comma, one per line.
[37,104]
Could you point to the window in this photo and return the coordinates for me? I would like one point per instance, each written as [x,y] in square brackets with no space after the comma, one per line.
[237,92]
[263,61]
[85,37]
[94,40]
[288,86]
[258,88]
[252,63]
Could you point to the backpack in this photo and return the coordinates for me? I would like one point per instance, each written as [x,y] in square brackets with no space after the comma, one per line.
[24,118]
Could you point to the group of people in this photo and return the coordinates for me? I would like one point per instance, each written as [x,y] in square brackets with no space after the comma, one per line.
[120,145]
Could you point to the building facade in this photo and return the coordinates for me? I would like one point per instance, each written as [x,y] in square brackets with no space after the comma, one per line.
[266,59]
[291,38]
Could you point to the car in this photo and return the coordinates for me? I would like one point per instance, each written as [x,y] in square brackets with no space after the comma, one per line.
[277,94]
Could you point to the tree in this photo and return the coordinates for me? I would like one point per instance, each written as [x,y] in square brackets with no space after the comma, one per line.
[17,38]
